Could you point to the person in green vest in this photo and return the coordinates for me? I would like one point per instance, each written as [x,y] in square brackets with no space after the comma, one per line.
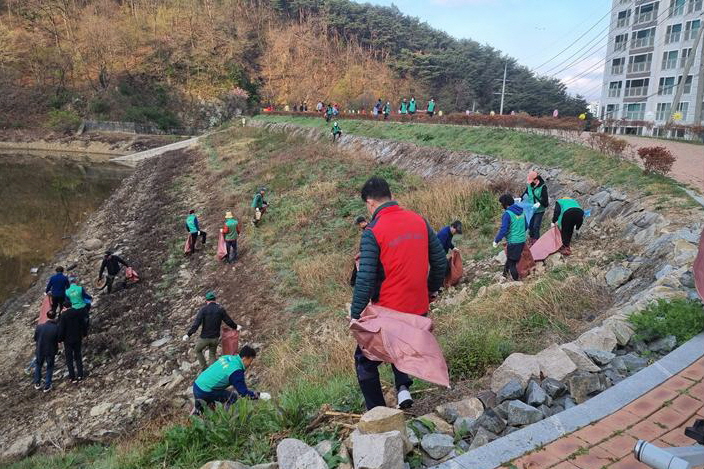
[228,370]
[431,107]
[328,113]
[569,217]
[404,107]
[513,228]
[536,193]
[412,106]
[259,205]
[387,110]
[79,299]
[336,132]
[231,232]
[194,229]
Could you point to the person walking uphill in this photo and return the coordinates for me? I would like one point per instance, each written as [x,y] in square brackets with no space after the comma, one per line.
[193,228]
[259,205]
[336,132]
[231,232]
[46,337]
[569,216]
[111,263]
[513,228]
[211,316]
[73,327]
[401,266]
[56,287]
[536,193]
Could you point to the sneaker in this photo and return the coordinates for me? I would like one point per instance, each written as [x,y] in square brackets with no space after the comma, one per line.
[47,388]
[405,400]
[37,386]
[74,381]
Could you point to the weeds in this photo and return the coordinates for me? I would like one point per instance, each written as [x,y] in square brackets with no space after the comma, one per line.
[682,318]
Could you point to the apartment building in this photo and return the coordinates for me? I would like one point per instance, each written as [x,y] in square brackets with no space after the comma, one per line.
[649,44]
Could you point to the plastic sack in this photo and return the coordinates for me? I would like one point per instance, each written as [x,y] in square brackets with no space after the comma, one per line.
[698,268]
[456,270]
[187,248]
[44,310]
[528,210]
[131,275]
[222,247]
[229,340]
[548,244]
[526,264]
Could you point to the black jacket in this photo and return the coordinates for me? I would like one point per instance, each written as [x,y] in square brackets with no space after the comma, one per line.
[211,316]
[544,200]
[112,263]
[73,325]
[46,336]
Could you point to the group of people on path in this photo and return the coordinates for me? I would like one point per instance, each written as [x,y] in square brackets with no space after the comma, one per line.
[67,321]
[568,215]
[405,108]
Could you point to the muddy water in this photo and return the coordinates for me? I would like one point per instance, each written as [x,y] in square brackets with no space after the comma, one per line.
[43,200]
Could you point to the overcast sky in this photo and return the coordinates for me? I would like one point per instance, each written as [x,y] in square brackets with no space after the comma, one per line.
[531,31]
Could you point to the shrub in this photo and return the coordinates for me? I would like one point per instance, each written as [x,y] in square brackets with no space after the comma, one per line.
[656,159]
[682,318]
[64,121]
[607,144]
[99,106]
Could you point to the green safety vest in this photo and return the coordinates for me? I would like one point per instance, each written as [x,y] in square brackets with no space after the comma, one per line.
[565,204]
[231,225]
[412,106]
[387,109]
[257,202]
[517,228]
[191,223]
[217,375]
[75,296]
[404,108]
[336,129]
[534,196]
[431,106]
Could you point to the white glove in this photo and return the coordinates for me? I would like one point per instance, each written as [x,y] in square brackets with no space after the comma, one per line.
[185,338]
[494,244]
[239,327]
[551,225]
[536,205]
[264,396]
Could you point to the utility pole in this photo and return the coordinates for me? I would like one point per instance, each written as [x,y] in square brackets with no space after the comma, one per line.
[698,107]
[685,74]
[503,89]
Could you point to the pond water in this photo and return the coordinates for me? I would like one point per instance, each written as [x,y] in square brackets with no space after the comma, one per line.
[43,201]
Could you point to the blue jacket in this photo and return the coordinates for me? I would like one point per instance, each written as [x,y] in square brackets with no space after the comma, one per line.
[506,222]
[445,238]
[57,285]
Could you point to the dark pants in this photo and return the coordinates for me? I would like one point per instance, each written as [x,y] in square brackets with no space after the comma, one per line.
[73,354]
[57,302]
[219,395]
[109,281]
[369,382]
[573,218]
[231,250]
[386,116]
[535,222]
[513,255]
[49,360]
[336,135]
[194,238]
[430,113]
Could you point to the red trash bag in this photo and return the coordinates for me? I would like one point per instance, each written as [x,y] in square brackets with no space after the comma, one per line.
[549,243]
[131,275]
[698,268]
[526,264]
[230,340]
[187,248]
[456,270]
[222,248]
[44,309]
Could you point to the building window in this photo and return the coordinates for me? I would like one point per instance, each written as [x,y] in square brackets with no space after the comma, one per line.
[623,19]
[666,86]
[611,111]
[646,13]
[634,111]
[682,108]
[617,66]
[643,38]
[694,5]
[615,89]
[676,7]
[691,29]
[636,88]
[669,60]
[673,33]
[639,63]
[687,84]
[684,56]
[663,111]
[620,42]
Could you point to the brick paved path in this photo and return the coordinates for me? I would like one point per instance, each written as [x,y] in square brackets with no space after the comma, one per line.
[658,416]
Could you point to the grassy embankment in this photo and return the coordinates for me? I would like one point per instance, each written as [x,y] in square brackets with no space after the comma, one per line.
[308,240]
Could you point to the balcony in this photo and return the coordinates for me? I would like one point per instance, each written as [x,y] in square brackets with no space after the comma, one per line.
[639,67]
[615,93]
[643,42]
[672,37]
[635,91]
[616,69]
[669,64]
[634,115]
[645,17]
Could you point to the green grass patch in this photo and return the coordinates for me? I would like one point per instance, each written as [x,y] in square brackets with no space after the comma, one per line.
[682,318]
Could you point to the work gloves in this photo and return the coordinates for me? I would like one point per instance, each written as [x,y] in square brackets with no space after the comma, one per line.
[551,225]
[239,328]
[185,338]
[494,244]
[536,205]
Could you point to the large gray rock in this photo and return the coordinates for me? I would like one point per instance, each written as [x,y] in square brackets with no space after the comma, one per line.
[492,421]
[517,366]
[269,465]
[633,362]
[600,199]
[520,413]
[381,420]
[580,359]
[378,451]
[621,329]
[93,244]
[598,338]
[535,395]
[663,345]
[224,465]
[646,219]
[555,363]
[471,407]
[584,385]
[324,447]
[553,387]
[502,409]
[511,390]
[295,454]
[600,357]
[664,272]
[617,276]
[565,402]
[463,426]
[482,437]
[21,448]
[437,445]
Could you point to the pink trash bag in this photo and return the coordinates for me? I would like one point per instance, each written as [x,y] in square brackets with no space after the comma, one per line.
[187,248]
[131,275]
[454,276]
[44,309]
[405,340]
[698,268]
[230,340]
[549,243]
[222,248]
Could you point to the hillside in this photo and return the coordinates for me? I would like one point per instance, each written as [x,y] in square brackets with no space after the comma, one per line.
[186,64]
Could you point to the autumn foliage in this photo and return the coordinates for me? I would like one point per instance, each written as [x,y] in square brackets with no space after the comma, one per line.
[656,159]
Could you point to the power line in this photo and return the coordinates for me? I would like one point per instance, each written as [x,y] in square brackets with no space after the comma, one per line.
[599,37]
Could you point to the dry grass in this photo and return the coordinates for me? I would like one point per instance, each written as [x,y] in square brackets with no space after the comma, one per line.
[322,276]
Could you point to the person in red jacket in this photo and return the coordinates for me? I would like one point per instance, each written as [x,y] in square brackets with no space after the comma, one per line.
[401,266]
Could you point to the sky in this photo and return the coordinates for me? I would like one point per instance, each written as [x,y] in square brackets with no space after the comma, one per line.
[564,38]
